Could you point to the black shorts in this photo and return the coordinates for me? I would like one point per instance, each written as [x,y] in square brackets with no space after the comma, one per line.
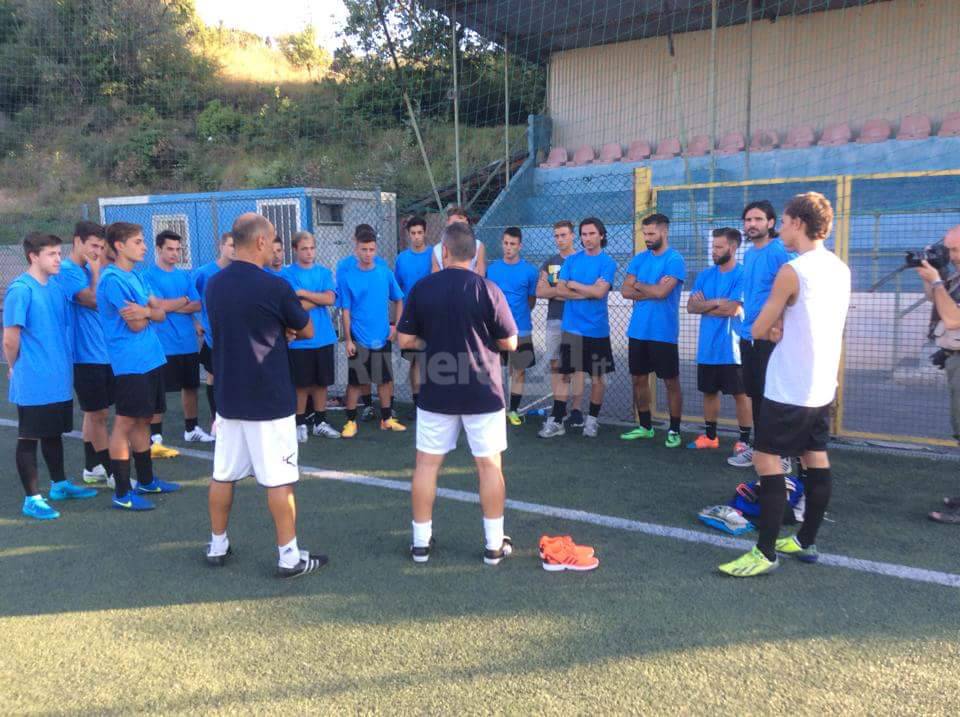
[521,359]
[754,356]
[370,366]
[657,357]
[95,386]
[140,395]
[206,358]
[585,354]
[47,420]
[786,430]
[181,371]
[720,378]
[312,367]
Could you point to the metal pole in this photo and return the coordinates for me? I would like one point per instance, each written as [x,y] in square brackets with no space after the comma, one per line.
[506,112]
[456,101]
[713,90]
[749,86]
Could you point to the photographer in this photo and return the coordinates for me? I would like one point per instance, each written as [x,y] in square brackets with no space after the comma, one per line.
[945,331]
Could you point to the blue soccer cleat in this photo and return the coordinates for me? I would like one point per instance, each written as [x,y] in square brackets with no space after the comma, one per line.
[64,490]
[156,487]
[36,507]
[131,501]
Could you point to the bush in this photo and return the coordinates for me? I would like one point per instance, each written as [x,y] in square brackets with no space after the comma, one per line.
[219,123]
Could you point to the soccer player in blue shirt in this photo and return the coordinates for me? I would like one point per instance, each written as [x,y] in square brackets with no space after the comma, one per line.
[128,315]
[37,348]
[717,297]
[517,279]
[366,294]
[177,296]
[413,263]
[312,359]
[653,282]
[200,278]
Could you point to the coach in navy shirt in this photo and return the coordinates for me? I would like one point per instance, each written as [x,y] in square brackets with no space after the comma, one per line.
[461,322]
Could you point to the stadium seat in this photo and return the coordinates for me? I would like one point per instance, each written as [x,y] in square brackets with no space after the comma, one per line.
[835,134]
[914,127]
[699,145]
[639,150]
[875,130]
[950,126]
[667,149]
[799,137]
[583,155]
[610,153]
[731,143]
[764,140]
[556,158]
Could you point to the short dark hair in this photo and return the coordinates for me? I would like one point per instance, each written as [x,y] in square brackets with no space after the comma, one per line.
[84,229]
[656,219]
[224,237]
[460,241]
[121,232]
[564,223]
[363,229]
[513,232]
[416,221]
[600,228]
[733,236]
[166,234]
[245,230]
[458,211]
[297,238]
[277,240]
[814,210]
[34,242]
[366,238]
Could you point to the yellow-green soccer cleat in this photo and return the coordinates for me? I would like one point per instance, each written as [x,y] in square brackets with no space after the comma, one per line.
[749,565]
[514,418]
[791,546]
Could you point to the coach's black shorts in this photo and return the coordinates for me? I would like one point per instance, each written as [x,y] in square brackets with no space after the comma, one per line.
[370,365]
[720,378]
[206,358]
[140,395]
[521,359]
[657,357]
[755,355]
[585,354]
[95,386]
[786,430]
[47,420]
[181,371]
[312,367]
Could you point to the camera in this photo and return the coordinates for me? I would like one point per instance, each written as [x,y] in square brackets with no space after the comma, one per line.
[936,255]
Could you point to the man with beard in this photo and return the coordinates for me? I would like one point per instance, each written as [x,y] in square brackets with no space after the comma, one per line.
[718,297]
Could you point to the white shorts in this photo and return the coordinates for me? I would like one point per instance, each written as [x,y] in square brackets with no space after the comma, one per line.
[552,340]
[267,450]
[437,433]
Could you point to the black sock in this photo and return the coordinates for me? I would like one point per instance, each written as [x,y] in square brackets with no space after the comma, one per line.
[301,419]
[745,433]
[367,399]
[310,418]
[156,429]
[416,396]
[386,413]
[594,409]
[189,424]
[121,474]
[144,465]
[212,401]
[711,428]
[319,417]
[89,456]
[26,453]
[675,424]
[818,487]
[772,496]
[515,401]
[52,450]
[644,419]
[559,411]
[351,414]
[103,458]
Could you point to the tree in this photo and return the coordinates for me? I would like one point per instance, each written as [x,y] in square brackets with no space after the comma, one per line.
[301,50]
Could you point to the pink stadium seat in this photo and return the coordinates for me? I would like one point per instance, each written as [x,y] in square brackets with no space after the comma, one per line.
[731,143]
[610,153]
[914,127]
[667,149]
[764,140]
[583,155]
[950,126]
[875,130]
[556,158]
[639,150]
[699,145]
[835,134]
[799,137]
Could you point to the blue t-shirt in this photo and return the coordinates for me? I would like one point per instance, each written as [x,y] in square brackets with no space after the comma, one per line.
[366,294]
[348,263]
[518,282]
[250,311]
[275,272]
[760,267]
[131,352]
[176,332]
[587,317]
[412,267]
[89,346]
[657,319]
[43,372]
[719,340]
[319,279]
[200,278]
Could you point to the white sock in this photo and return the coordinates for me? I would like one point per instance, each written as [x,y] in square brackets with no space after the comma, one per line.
[156,438]
[422,532]
[219,544]
[289,554]
[493,532]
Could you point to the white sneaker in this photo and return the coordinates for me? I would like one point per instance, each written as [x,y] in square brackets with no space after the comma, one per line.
[111,482]
[591,426]
[786,466]
[744,459]
[198,435]
[97,475]
[302,433]
[551,428]
[326,430]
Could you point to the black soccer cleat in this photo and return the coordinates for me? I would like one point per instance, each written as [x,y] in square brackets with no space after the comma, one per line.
[493,557]
[422,554]
[308,564]
[218,561]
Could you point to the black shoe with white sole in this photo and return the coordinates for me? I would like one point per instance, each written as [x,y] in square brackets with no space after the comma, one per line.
[422,554]
[308,564]
[218,560]
[493,557]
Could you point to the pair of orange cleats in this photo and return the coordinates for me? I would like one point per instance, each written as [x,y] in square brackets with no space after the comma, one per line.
[559,552]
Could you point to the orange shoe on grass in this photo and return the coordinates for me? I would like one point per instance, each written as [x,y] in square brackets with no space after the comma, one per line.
[703,442]
[548,541]
[566,555]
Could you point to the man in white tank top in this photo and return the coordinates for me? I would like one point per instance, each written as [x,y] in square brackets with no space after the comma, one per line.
[479,262]
[805,315]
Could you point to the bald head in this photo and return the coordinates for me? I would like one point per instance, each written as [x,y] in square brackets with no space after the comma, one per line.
[248,227]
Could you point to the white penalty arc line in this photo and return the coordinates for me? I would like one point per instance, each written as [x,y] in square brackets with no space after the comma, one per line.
[891,570]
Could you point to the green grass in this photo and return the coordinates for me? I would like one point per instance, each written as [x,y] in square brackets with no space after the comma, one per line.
[117,613]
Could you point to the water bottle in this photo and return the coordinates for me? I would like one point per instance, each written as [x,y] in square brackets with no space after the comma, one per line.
[538,412]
